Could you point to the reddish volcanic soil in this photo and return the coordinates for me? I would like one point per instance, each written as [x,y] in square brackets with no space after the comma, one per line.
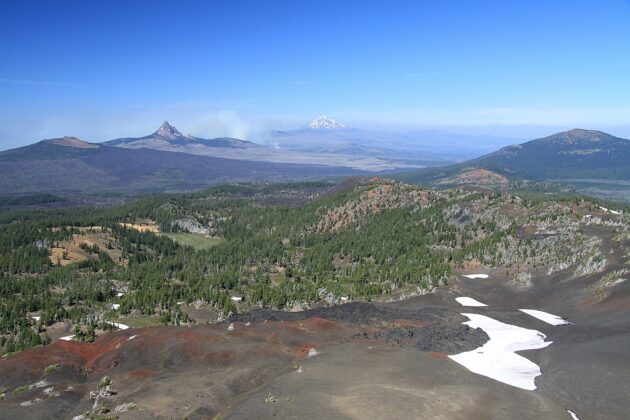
[181,371]
[371,361]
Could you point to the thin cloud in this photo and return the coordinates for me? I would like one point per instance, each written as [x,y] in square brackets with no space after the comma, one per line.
[38,83]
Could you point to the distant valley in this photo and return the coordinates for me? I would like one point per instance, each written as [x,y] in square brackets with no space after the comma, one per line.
[328,153]
[428,147]
[169,161]
[68,165]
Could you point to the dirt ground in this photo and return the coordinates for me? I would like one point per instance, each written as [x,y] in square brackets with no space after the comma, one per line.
[143,226]
[386,361]
[89,236]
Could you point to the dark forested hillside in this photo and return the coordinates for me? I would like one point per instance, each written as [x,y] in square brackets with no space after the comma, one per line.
[71,165]
[569,155]
[593,162]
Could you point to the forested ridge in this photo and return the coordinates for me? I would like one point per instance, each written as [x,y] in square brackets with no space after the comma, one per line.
[363,242]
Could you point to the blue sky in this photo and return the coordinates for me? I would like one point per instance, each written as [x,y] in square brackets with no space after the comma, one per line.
[106,69]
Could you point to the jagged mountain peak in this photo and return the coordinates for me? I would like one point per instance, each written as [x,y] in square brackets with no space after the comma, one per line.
[169,132]
[325,122]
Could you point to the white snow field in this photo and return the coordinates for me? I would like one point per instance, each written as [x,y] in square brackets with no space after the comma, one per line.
[468,301]
[573,415]
[497,358]
[546,317]
[476,276]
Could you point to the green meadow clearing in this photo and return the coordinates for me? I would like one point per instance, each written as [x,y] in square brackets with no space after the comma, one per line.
[196,240]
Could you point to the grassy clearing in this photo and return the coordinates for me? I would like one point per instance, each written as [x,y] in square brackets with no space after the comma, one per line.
[196,240]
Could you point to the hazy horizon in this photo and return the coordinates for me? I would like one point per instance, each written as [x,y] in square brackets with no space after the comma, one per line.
[100,71]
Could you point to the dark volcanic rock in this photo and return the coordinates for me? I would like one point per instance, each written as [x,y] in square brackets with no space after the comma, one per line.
[355,312]
[435,338]
[433,334]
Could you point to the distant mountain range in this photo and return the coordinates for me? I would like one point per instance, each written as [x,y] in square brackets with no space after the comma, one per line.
[325,141]
[70,165]
[428,148]
[167,160]
[168,138]
[591,161]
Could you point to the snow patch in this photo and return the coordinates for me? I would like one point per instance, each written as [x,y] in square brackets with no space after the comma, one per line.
[50,392]
[468,301]
[41,384]
[132,337]
[312,352]
[67,338]
[546,317]
[476,276]
[573,415]
[115,306]
[497,359]
[609,211]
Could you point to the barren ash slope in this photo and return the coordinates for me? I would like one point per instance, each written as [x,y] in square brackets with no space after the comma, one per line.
[397,301]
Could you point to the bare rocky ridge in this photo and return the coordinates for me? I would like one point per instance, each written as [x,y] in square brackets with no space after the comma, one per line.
[72,142]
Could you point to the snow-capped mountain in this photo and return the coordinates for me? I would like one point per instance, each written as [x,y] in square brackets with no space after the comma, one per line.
[326,123]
